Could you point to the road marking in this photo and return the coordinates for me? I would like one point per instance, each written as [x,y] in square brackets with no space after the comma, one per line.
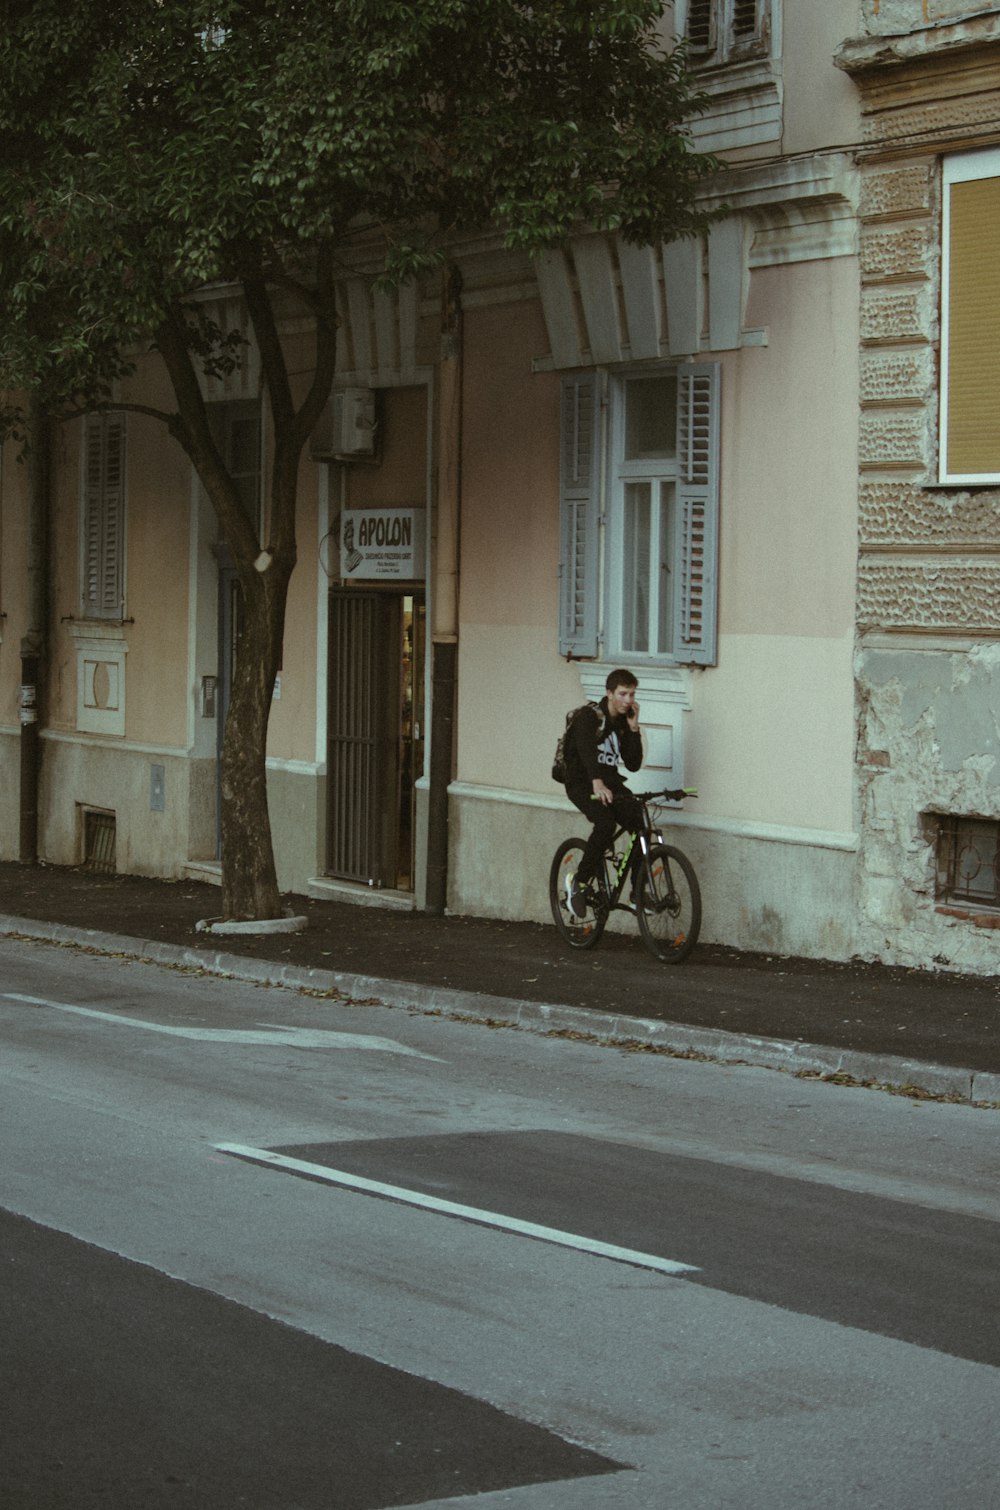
[434,1203]
[284,1037]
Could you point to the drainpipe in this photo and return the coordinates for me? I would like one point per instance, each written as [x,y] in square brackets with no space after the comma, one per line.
[33,643]
[444,606]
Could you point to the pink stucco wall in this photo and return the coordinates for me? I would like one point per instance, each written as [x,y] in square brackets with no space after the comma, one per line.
[769,731]
[509,666]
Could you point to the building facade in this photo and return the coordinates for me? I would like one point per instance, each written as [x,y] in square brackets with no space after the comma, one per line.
[758,467]
[928,482]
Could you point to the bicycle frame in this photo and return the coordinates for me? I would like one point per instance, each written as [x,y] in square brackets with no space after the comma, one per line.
[644,836]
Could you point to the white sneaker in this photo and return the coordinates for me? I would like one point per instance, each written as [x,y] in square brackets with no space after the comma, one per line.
[575,900]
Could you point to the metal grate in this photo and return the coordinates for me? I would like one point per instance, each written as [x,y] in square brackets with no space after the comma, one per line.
[968,860]
[99,841]
[365,653]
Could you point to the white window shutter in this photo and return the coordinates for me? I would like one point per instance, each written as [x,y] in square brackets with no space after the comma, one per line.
[579,501]
[696,546]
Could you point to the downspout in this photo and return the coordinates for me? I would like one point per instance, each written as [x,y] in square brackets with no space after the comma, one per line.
[33,643]
[444,606]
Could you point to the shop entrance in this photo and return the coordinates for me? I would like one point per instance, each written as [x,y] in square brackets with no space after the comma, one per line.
[375,735]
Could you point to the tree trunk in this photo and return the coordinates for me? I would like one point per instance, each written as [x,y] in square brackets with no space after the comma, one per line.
[249,878]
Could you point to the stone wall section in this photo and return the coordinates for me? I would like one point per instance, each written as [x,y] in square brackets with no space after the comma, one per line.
[925,93]
[928,598]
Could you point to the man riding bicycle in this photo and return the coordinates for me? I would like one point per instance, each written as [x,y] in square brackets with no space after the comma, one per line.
[597,741]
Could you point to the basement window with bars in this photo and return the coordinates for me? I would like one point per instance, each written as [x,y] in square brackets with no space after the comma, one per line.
[725,31]
[968,860]
[99,841]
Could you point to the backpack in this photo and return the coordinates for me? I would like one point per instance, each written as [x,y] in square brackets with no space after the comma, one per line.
[559,759]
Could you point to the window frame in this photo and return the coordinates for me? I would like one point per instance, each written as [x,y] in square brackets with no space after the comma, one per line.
[224,417]
[955,835]
[592,490]
[725,45]
[960,168]
[662,475]
[103,517]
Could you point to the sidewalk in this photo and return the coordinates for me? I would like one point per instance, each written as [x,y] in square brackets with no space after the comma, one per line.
[870,1023]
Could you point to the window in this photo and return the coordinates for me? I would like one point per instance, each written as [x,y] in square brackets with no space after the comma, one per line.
[657,468]
[643,510]
[968,860]
[236,428]
[725,31]
[970,320]
[102,593]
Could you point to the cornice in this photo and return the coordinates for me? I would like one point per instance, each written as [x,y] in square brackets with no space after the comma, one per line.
[861,56]
[812,176]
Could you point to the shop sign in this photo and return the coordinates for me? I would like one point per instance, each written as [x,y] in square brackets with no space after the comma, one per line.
[379,545]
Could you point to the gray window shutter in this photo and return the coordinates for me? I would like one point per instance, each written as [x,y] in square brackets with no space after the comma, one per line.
[104,517]
[93,468]
[701,25]
[579,501]
[746,20]
[696,544]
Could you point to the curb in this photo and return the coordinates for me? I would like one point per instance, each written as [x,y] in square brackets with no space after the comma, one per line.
[884,1070]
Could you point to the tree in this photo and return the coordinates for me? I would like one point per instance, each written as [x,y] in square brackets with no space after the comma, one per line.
[153,147]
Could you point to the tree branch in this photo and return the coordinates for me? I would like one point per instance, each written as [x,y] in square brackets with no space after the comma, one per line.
[109,406]
[272,357]
[326,346]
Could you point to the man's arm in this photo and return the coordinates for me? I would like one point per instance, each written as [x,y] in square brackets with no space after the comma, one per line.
[631,740]
[631,745]
[601,792]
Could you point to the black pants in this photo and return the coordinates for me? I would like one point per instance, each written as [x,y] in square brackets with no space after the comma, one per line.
[624,811]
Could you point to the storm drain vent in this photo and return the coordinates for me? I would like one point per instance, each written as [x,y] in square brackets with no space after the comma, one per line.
[99,841]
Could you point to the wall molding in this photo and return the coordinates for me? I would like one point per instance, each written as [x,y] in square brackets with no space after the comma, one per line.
[768,833]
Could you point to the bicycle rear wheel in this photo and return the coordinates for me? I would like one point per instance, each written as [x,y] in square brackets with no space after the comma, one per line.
[580,932]
[668,904]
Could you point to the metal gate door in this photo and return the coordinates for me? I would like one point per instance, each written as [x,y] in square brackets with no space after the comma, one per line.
[363,759]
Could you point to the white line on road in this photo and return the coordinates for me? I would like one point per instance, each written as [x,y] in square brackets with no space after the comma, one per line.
[451,1208]
[284,1037]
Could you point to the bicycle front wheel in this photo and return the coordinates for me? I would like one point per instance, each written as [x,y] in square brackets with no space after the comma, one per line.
[668,904]
[581,932]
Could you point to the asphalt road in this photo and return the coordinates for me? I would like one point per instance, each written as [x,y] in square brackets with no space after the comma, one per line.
[267,1251]
[127,1388]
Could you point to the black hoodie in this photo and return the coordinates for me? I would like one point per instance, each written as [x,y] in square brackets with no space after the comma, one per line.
[596,743]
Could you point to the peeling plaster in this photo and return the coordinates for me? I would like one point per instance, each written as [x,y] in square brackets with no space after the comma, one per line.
[929,740]
[954,697]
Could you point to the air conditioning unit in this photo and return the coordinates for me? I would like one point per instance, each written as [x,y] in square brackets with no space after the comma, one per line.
[347,426]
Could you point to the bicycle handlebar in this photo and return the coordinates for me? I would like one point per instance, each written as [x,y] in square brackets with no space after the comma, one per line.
[675,794]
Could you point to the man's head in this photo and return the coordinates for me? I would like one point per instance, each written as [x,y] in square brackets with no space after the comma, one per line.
[621,687]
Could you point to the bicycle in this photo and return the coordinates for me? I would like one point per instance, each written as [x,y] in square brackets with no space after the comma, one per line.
[665,895]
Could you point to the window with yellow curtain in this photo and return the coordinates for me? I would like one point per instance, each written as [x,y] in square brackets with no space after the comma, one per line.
[970,319]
